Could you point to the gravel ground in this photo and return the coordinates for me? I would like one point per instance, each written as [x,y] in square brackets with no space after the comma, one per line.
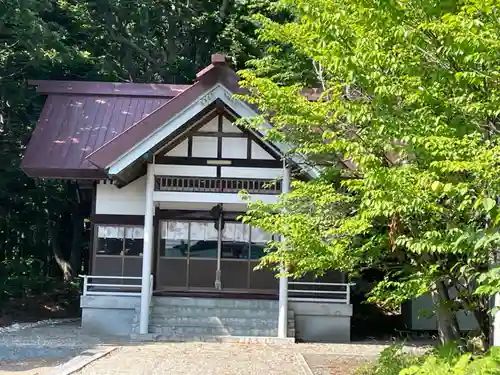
[37,350]
[234,359]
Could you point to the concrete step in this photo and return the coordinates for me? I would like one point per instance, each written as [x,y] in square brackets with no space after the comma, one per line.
[221,339]
[213,321]
[197,331]
[196,311]
[216,303]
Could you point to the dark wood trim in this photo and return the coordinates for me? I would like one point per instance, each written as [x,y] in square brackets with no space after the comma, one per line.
[249,148]
[156,244]
[220,135]
[217,294]
[219,143]
[271,150]
[195,215]
[190,127]
[92,229]
[190,146]
[117,219]
[266,147]
[179,160]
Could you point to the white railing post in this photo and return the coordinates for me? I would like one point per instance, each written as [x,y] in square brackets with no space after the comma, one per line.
[147,252]
[348,293]
[85,285]
[322,294]
[283,285]
[150,288]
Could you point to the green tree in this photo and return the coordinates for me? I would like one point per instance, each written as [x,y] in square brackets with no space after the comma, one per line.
[404,137]
[104,40]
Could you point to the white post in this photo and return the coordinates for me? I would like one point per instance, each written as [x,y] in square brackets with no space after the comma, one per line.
[85,285]
[496,321]
[283,291]
[147,252]
[218,284]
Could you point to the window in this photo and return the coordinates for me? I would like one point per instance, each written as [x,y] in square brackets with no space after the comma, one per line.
[258,244]
[119,240]
[198,239]
[134,241]
[174,239]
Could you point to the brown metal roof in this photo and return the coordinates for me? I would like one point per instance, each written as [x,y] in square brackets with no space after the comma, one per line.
[84,126]
[108,88]
[74,123]
[207,78]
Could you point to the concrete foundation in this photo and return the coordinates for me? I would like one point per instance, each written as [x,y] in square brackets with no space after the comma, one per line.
[322,322]
[109,315]
[314,322]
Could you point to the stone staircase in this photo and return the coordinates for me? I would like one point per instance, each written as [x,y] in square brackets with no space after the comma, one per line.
[207,319]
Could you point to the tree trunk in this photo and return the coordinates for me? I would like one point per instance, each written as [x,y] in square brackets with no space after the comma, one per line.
[483,321]
[448,328]
[63,264]
[75,258]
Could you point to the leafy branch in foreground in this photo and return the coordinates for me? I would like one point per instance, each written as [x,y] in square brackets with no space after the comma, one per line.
[404,135]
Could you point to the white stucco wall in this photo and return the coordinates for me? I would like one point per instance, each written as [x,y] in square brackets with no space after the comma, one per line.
[251,172]
[129,200]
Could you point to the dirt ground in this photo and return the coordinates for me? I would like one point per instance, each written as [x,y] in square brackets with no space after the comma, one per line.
[35,308]
[34,366]
[324,364]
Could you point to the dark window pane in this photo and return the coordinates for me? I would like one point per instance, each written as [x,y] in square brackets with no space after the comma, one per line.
[134,246]
[109,240]
[257,250]
[109,246]
[173,248]
[235,250]
[134,240]
[203,249]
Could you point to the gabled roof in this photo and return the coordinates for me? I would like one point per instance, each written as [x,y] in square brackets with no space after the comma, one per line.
[217,72]
[96,130]
[80,117]
[86,125]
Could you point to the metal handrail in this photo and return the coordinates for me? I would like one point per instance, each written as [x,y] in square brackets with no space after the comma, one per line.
[87,285]
[347,292]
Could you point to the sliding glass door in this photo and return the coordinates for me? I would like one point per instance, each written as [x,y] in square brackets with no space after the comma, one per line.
[190,255]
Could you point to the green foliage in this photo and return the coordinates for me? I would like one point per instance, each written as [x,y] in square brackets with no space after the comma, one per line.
[107,40]
[390,362]
[443,361]
[465,364]
[407,118]
[23,277]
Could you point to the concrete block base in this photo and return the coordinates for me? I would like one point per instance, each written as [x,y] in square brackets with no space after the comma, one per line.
[322,322]
[109,315]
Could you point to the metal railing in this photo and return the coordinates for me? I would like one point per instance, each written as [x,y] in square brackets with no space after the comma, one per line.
[308,291]
[108,289]
[216,185]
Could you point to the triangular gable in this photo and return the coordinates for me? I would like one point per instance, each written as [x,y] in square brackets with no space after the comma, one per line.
[217,133]
[216,84]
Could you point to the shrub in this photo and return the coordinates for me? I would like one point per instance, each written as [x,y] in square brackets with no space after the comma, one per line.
[391,361]
[465,364]
[446,360]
